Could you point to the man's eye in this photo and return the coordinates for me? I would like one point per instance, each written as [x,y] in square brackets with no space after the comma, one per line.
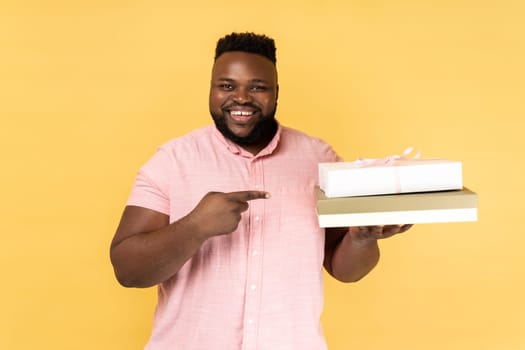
[259,88]
[227,87]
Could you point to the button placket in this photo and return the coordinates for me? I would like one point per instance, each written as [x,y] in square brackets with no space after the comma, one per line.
[253,283]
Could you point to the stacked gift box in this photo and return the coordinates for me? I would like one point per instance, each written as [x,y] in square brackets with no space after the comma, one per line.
[393,190]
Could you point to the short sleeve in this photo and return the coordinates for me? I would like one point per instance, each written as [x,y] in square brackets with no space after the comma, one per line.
[152,184]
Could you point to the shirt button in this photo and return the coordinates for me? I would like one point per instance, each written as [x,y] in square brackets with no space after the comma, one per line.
[257,218]
[250,321]
[253,287]
[255,253]
[256,186]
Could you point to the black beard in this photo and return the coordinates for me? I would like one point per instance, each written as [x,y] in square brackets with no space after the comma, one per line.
[261,134]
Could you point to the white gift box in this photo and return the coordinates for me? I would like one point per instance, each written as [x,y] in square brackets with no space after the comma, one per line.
[377,176]
[396,209]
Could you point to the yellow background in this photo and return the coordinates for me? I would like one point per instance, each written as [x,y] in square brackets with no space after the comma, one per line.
[89,89]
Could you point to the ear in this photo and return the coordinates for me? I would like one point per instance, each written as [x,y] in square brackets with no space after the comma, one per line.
[276,92]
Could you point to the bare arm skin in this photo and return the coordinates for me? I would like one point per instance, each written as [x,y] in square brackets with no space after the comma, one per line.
[351,253]
[147,250]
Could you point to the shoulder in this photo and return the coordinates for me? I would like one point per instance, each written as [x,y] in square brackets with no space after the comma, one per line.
[183,150]
[187,144]
[296,140]
[300,136]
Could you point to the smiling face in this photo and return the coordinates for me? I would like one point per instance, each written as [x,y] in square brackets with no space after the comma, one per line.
[243,98]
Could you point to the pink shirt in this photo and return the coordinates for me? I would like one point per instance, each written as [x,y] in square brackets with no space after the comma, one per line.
[260,287]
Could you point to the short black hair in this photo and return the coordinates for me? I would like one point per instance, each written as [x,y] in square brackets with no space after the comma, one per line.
[247,42]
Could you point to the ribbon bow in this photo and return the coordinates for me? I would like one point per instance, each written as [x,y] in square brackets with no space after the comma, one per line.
[390,159]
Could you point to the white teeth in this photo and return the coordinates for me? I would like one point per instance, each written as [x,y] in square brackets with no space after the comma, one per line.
[241,113]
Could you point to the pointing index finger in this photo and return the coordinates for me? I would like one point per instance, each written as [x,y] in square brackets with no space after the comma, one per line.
[244,196]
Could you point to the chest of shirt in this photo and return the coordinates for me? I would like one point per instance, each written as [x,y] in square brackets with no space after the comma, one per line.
[289,180]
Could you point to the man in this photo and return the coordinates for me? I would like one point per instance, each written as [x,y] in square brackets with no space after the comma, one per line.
[223,220]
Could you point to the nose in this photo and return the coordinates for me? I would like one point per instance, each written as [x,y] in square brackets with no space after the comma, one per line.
[241,95]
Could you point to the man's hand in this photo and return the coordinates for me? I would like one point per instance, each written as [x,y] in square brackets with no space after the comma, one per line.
[376,232]
[219,213]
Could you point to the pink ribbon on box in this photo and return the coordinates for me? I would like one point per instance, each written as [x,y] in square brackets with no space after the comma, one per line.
[369,162]
[388,160]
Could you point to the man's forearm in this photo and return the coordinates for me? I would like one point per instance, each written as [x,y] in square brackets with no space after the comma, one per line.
[354,259]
